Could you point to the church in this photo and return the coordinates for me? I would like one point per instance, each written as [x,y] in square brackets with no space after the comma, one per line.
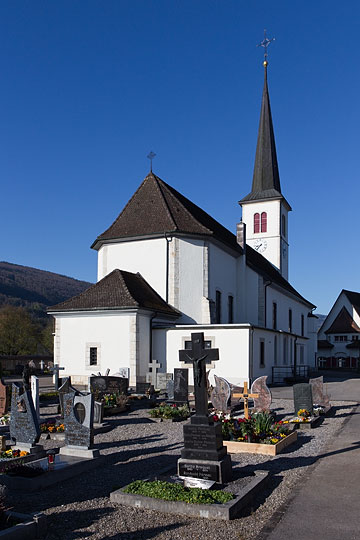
[166,269]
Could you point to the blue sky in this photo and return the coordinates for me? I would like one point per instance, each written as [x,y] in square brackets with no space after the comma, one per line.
[88,88]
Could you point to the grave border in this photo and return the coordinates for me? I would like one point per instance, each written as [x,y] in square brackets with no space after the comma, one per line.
[237,447]
[33,526]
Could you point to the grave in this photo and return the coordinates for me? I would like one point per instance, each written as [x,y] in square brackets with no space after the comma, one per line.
[204,456]
[245,395]
[123,372]
[78,420]
[170,389]
[162,379]
[263,401]
[4,398]
[151,376]
[220,394]
[34,383]
[65,388]
[24,425]
[98,412]
[319,396]
[143,387]
[56,369]
[303,398]
[100,385]
[181,386]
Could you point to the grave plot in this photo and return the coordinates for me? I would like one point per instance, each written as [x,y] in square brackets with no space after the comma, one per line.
[304,407]
[110,393]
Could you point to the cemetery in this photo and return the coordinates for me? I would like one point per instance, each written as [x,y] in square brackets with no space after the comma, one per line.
[211,453]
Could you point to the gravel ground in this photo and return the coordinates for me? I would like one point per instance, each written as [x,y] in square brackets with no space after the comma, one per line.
[136,447]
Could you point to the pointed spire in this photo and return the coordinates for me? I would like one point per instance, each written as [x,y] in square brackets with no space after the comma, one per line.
[266,171]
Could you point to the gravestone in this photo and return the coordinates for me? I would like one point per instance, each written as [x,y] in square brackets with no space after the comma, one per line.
[78,420]
[162,379]
[99,407]
[26,377]
[319,396]
[142,387]
[34,383]
[170,389]
[108,385]
[151,376]
[24,425]
[56,369]
[204,456]
[220,394]
[4,398]
[303,397]
[123,372]
[263,401]
[181,385]
[65,389]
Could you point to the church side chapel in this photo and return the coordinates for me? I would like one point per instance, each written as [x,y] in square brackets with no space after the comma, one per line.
[339,335]
[166,269]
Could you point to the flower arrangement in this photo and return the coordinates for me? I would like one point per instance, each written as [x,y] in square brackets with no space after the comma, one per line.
[303,413]
[51,427]
[258,428]
[172,411]
[5,420]
[115,399]
[303,416]
[11,454]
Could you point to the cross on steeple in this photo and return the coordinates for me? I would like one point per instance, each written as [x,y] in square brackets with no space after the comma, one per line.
[197,356]
[151,157]
[265,43]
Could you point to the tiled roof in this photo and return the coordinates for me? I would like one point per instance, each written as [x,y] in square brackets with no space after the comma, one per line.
[157,208]
[343,324]
[354,299]
[324,344]
[117,290]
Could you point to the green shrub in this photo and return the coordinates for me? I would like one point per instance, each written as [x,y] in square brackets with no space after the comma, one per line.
[170,411]
[177,492]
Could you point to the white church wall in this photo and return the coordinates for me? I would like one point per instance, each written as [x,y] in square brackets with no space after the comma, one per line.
[108,332]
[284,304]
[222,277]
[145,256]
[190,279]
[251,297]
[143,347]
[231,340]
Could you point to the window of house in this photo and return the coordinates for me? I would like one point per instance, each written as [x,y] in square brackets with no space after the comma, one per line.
[262,353]
[263,222]
[290,320]
[93,356]
[218,308]
[256,223]
[274,316]
[230,309]
[302,325]
[341,338]
[355,338]
[275,351]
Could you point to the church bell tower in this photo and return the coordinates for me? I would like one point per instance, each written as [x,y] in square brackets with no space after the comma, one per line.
[265,210]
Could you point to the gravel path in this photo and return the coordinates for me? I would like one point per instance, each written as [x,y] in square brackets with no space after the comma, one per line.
[136,447]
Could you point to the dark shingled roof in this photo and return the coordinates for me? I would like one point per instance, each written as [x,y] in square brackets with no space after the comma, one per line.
[343,324]
[118,290]
[266,178]
[324,344]
[157,208]
[354,299]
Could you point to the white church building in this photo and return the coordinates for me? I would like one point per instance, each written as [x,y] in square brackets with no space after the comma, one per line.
[166,269]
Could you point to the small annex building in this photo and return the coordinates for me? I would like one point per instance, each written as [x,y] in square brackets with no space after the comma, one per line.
[166,268]
[339,335]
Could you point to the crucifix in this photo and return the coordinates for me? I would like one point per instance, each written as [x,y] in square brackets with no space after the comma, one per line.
[151,376]
[265,43]
[197,356]
[55,371]
[245,395]
[151,157]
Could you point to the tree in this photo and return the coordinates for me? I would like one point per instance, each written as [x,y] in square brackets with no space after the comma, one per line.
[18,334]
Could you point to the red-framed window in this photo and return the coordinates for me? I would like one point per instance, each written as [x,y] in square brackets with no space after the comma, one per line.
[256,223]
[263,222]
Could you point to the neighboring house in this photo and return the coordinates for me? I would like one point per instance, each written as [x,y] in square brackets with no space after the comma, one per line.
[339,335]
[166,269]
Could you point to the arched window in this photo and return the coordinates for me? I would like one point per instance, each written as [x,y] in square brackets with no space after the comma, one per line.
[263,222]
[256,223]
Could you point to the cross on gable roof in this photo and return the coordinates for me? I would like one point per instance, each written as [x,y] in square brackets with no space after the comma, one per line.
[118,290]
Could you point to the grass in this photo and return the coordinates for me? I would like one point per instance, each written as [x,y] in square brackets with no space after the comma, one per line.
[168,491]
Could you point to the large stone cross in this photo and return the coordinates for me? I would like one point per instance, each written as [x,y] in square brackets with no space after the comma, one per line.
[197,356]
[152,375]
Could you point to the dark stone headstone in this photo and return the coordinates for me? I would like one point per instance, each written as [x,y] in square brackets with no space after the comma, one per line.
[203,440]
[24,425]
[142,387]
[108,385]
[303,397]
[4,398]
[78,420]
[181,385]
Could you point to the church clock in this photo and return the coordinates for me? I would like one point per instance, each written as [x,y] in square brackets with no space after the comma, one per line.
[260,245]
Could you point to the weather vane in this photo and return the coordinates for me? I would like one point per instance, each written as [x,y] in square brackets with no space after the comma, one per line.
[151,157]
[265,43]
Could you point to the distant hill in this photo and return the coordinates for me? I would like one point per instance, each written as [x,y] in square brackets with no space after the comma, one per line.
[35,289]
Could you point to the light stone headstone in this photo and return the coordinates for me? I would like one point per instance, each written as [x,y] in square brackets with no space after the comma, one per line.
[170,389]
[123,372]
[319,396]
[263,402]
[152,375]
[162,379]
[34,384]
[220,394]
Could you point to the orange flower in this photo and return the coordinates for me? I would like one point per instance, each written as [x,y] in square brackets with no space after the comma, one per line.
[23,453]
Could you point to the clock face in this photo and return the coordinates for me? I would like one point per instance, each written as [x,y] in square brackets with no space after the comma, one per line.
[260,245]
